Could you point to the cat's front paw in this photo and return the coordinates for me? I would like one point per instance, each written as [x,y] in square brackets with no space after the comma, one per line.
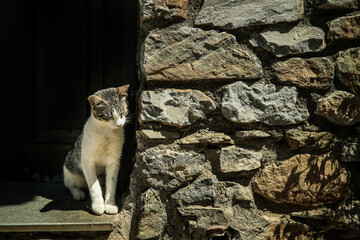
[98,208]
[111,209]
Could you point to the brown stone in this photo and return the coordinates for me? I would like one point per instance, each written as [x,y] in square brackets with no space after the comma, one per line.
[307,180]
[347,27]
[310,141]
[315,73]
[340,107]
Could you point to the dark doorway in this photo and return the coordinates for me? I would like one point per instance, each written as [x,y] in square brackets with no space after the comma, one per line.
[55,53]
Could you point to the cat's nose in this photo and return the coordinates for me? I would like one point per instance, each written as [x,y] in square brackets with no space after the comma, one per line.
[119,125]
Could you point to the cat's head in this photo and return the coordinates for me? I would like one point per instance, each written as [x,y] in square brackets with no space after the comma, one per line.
[110,106]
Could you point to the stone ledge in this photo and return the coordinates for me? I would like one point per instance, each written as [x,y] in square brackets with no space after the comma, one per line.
[47,207]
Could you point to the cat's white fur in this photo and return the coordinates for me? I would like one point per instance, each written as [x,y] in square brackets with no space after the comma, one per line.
[100,153]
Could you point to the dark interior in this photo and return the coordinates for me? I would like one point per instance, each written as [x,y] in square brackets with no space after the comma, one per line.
[55,53]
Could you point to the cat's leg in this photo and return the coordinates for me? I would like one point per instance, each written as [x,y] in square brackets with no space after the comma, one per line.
[74,182]
[97,200]
[112,170]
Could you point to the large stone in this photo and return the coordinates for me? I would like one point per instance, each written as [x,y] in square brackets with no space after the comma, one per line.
[169,170]
[234,159]
[162,9]
[206,138]
[194,54]
[264,103]
[230,14]
[347,27]
[283,41]
[340,107]
[348,68]
[339,4]
[314,73]
[310,141]
[175,107]
[303,180]
[153,216]
[200,191]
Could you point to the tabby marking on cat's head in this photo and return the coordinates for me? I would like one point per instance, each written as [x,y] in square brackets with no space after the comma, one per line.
[110,105]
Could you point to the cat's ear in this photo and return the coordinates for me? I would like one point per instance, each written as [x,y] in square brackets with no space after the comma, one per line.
[123,90]
[94,100]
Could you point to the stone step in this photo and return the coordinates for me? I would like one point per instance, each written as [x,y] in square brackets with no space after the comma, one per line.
[47,207]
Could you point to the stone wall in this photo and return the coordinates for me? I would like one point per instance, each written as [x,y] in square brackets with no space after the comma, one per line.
[248,121]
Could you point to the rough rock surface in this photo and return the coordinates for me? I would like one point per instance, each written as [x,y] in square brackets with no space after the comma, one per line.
[339,4]
[347,27]
[174,107]
[314,73]
[194,54]
[152,134]
[340,107]
[310,141]
[162,9]
[169,170]
[283,41]
[153,216]
[289,231]
[199,192]
[205,138]
[346,215]
[243,13]
[251,134]
[348,62]
[235,159]
[303,180]
[264,103]
[350,150]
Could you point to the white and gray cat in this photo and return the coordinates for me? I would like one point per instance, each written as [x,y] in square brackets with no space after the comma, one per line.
[98,150]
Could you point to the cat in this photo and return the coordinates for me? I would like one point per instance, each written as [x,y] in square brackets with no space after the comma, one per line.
[98,150]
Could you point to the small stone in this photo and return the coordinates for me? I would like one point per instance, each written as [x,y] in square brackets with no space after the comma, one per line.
[156,135]
[205,138]
[153,216]
[199,191]
[194,54]
[342,28]
[235,159]
[175,168]
[283,41]
[310,141]
[216,230]
[313,73]
[174,107]
[339,4]
[162,9]
[264,103]
[348,63]
[251,134]
[227,14]
[340,107]
[307,180]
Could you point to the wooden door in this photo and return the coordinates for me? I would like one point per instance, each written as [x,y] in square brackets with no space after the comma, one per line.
[55,53]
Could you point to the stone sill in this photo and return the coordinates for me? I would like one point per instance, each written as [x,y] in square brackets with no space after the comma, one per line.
[47,207]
